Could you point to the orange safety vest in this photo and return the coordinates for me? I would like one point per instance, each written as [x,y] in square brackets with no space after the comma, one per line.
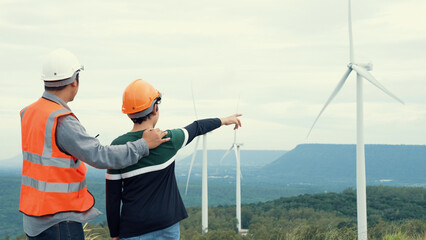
[52,181]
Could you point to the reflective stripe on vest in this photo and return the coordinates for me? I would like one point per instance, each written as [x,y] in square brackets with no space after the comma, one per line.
[50,161]
[53,187]
[52,181]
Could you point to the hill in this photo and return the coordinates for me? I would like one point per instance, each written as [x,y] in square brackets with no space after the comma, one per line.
[335,164]
[393,213]
[249,158]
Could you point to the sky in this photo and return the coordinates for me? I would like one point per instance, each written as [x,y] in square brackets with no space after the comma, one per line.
[274,61]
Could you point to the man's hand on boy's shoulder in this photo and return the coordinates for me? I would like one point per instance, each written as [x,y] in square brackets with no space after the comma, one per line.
[154,137]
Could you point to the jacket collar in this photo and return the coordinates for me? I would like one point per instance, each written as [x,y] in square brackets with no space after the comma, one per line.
[56,99]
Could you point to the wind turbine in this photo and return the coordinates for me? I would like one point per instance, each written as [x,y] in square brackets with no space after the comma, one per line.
[204,198]
[236,147]
[362,72]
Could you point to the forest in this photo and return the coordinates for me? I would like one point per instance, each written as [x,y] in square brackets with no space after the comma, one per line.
[393,213]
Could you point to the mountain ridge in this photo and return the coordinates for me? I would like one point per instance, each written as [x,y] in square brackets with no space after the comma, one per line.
[322,163]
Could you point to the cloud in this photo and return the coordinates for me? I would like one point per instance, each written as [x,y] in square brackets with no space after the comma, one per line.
[283,58]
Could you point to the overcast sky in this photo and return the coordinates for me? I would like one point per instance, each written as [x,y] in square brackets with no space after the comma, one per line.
[281,58]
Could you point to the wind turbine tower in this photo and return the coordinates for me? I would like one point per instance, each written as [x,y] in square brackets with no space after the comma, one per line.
[204,187]
[204,194]
[362,72]
[236,147]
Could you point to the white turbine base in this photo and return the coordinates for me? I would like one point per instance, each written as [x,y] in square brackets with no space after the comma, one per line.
[204,194]
[238,186]
[360,165]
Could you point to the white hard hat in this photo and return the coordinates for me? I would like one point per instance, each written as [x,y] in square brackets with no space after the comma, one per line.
[60,65]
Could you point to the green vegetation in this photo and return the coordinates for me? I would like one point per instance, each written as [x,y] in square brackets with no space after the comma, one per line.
[385,203]
[219,194]
[393,213]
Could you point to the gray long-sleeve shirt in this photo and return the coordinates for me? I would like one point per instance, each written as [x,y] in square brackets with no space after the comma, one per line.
[72,138]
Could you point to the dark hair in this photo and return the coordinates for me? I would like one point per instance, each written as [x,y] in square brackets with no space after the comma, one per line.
[61,87]
[143,119]
[54,88]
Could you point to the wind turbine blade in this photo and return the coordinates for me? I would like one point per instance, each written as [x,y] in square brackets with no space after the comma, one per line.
[238,102]
[365,74]
[192,163]
[351,46]
[226,154]
[333,94]
[193,101]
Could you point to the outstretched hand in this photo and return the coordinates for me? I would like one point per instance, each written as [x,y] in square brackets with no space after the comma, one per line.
[154,137]
[233,119]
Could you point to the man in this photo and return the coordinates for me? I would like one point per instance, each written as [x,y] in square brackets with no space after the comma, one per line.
[151,206]
[54,196]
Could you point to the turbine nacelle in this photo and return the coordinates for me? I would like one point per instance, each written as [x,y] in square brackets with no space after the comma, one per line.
[366,66]
[361,70]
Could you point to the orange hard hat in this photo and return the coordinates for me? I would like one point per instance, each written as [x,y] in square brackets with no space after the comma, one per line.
[139,99]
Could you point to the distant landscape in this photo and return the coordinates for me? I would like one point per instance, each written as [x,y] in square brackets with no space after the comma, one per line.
[334,164]
[267,175]
[394,213]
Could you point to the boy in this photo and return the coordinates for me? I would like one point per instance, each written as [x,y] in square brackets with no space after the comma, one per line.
[151,203]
